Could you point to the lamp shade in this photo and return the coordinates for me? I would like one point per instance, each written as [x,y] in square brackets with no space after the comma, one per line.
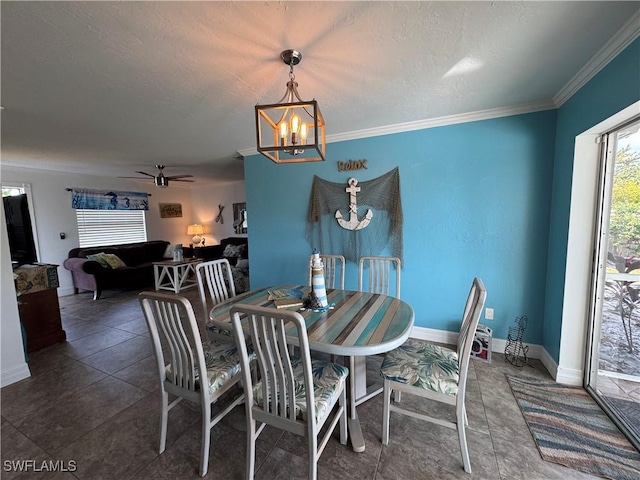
[195,229]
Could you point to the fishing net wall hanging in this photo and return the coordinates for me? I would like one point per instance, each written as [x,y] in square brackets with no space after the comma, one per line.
[355,218]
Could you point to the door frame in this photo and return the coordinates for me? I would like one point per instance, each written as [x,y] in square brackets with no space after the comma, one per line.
[27,190]
[600,251]
[579,260]
[600,242]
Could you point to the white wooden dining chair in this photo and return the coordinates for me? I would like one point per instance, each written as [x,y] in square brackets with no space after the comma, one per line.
[295,394]
[334,266]
[188,368]
[375,275]
[215,285]
[435,372]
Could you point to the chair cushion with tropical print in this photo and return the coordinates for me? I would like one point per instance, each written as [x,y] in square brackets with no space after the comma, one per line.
[327,379]
[423,365]
[222,361]
[215,329]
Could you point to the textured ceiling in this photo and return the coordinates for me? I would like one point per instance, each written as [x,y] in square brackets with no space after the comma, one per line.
[112,87]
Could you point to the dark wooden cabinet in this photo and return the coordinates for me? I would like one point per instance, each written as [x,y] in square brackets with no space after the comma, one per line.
[36,287]
[40,317]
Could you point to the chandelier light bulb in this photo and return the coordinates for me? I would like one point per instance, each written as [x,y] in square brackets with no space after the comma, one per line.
[295,124]
[295,128]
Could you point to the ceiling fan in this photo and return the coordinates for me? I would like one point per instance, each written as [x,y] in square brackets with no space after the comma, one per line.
[161,180]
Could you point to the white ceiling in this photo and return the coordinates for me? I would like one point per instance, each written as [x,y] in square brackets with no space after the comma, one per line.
[109,88]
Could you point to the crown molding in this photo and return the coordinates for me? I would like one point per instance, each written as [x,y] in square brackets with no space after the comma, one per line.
[441,121]
[621,40]
[430,123]
[10,164]
[245,152]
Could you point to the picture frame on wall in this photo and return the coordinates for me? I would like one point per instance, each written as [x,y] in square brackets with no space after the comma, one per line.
[240,218]
[170,210]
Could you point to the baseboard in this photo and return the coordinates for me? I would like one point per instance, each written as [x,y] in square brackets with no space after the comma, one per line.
[63,292]
[570,376]
[433,335]
[549,363]
[15,374]
[450,338]
[566,376]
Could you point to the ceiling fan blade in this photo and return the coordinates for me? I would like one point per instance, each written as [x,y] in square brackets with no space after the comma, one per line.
[139,178]
[180,180]
[176,177]
[145,173]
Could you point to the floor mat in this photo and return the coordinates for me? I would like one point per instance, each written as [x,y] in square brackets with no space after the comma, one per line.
[570,428]
[627,410]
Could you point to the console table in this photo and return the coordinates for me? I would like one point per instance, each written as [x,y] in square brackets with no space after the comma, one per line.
[175,276]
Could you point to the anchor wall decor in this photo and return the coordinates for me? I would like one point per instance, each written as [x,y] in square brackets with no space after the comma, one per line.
[353,223]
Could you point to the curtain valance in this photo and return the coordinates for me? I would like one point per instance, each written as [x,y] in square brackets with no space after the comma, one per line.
[108,200]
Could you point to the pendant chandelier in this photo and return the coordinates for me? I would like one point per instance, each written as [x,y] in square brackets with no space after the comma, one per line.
[292,130]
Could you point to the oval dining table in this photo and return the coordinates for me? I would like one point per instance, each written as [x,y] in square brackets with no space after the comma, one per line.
[357,325]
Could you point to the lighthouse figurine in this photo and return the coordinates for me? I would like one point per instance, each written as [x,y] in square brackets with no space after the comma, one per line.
[317,280]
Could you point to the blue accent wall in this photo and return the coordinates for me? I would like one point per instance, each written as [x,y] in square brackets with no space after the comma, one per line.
[614,88]
[476,200]
[488,198]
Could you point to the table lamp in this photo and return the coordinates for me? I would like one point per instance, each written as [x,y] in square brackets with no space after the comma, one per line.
[196,230]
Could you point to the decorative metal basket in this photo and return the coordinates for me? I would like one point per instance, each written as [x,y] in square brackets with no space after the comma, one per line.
[515,352]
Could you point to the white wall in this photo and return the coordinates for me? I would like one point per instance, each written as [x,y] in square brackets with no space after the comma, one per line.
[13,366]
[205,203]
[53,212]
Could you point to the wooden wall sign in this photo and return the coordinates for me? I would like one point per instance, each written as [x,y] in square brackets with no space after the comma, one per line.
[352,165]
[170,210]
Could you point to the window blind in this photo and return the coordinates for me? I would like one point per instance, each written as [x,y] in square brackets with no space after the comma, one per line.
[110,227]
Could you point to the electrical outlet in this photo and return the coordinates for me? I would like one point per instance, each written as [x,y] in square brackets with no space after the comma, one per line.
[488,313]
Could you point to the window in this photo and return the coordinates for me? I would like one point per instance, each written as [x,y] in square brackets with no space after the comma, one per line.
[110,227]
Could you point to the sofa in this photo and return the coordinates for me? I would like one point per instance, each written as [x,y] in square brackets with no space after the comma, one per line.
[236,251]
[215,252]
[128,265]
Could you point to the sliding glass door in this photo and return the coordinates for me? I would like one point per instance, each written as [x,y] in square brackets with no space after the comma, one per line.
[613,361]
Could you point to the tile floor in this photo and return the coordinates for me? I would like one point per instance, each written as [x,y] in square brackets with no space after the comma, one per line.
[93,402]
[619,388]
